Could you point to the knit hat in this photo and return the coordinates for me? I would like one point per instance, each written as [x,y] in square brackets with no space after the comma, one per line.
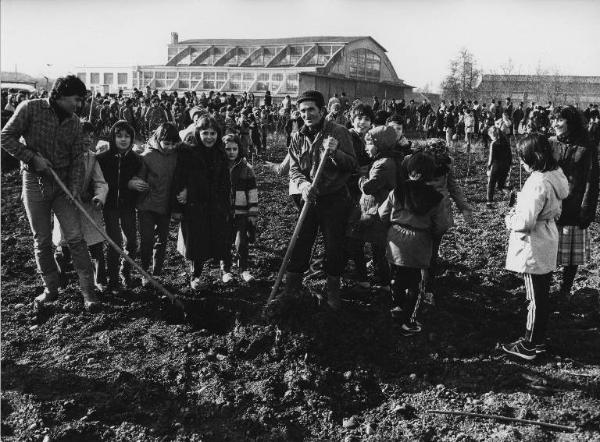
[383,137]
[315,96]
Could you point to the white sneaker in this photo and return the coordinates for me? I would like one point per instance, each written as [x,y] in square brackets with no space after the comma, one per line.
[196,283]
[227,277]
[246,276]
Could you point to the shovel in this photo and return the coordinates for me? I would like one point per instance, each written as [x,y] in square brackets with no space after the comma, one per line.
[111,243]
[301,218]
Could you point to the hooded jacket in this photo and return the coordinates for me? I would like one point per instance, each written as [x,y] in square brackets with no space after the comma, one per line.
[533,241]
[118,168]
[158,170]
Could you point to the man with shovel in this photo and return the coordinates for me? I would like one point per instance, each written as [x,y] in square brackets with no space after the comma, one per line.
[53,140]
[326,193]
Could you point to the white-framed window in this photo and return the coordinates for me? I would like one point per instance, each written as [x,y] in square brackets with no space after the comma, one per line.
[122,78]
[109,78]
[94,78]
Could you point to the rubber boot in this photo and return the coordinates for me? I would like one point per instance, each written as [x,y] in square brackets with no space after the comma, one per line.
[51,283]
[333,293]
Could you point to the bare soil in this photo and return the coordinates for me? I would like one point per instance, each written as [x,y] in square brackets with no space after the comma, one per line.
[137,371]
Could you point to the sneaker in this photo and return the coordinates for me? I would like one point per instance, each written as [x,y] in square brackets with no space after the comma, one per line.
[541,349]
[410,328]
[101,287]
[519,349]
[247,276]
[227,277]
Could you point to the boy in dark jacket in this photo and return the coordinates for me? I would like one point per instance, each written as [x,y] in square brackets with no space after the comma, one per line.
[119,164]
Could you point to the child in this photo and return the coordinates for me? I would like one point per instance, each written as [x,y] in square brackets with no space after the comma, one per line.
[533,242]
[93,198]
[202,187]
[469,120]
[375,188]
[244,196]
[154,204]
[119,164]
[362,117]
[412,216]
[498,163]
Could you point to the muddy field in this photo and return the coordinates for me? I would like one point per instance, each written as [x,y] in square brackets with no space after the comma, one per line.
[137,372]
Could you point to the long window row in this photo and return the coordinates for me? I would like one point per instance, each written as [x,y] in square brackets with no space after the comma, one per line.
[108,78]
[218,80]
[251,56]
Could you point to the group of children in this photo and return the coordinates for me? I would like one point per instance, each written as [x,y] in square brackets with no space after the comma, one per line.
[401,196]
[205,182]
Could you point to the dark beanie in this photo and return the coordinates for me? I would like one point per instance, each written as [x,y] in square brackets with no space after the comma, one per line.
[315,96]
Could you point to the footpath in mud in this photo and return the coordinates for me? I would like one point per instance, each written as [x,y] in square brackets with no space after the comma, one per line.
[137,372]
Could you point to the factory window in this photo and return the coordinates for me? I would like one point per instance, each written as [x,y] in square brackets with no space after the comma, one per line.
[160,75]
[122,78]
[171,75]
[94,78]
[365,64]
[196,75]
[109,78]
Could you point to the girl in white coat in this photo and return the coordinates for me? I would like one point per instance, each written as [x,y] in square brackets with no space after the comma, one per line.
[533,242]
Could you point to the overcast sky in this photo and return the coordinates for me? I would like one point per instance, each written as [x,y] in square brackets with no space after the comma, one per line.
[51,37]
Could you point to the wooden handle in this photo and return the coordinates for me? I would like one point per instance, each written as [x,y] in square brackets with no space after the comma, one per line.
[114,245]
[301,218]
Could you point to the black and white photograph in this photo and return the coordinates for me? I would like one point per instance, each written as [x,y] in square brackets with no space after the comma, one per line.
[325,220]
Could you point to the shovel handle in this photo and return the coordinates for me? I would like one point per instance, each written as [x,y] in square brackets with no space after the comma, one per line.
[301,218]
[114,245]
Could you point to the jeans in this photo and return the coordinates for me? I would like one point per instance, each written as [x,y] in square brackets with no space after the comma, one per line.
[240,230]
[63,256]
[119,223]
[153,224]
[42,196]
[329,214]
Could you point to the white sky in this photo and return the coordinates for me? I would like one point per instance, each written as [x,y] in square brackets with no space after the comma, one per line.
[420,36]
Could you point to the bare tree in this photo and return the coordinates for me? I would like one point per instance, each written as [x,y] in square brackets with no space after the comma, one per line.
[462,78]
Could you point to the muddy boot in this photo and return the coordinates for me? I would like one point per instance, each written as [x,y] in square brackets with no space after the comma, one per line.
[91,302]
[333,293]
[51,283]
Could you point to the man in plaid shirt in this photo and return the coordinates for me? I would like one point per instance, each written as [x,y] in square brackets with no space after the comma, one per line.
[52,134]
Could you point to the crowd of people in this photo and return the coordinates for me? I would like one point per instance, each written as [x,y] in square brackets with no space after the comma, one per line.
[375,187]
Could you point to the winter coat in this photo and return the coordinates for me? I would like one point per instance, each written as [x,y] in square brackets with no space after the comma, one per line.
[375,189]
[533,241]
[93,185]
[358,144]
[445,183]
[500,152]
[158,170]
[305,156]
[204,231]
[410,214]
[579,162]
[118,169]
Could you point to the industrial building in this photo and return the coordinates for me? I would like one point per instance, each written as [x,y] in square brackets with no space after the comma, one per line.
[560,89]
[357,66]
